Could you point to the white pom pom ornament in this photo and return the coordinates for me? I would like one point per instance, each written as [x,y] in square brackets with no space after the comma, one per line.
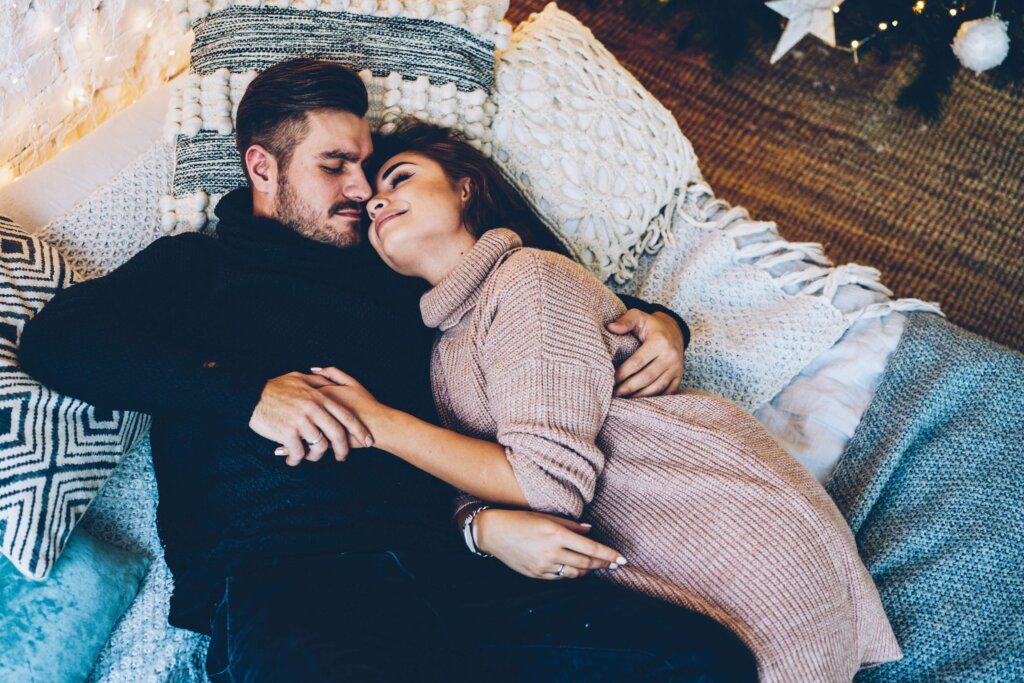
[982,44]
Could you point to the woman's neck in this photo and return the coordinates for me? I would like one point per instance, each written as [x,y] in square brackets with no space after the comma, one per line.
[447,257]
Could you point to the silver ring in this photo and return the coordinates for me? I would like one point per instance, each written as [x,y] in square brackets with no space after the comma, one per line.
[560,570]
[315,441]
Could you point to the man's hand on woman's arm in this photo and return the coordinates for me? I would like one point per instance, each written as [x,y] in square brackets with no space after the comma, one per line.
[656,367]
[537,544]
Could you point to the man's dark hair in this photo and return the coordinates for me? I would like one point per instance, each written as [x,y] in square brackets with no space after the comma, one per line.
[273,110]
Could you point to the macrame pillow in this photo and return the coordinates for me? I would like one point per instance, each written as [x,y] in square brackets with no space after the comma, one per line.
[55,452]
[599,158]
[432,61]
[609,170]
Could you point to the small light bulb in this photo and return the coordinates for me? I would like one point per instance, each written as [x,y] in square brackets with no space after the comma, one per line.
[883,26]
[172,53]
[952,12]
[855,44]
[835,9]
[895,22]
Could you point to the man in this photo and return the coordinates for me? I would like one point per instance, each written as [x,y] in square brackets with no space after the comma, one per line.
[331,570]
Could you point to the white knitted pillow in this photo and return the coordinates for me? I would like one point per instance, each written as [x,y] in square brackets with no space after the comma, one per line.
[609,170]
[431,60]
[599,158]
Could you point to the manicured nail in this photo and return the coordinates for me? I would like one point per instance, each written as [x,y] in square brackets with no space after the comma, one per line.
[315,369]
[278,451]
[613,566]
[586,525]
[620,560]
[368,441]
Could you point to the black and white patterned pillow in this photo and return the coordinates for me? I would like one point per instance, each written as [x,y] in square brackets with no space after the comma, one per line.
[431,60]
[55,452]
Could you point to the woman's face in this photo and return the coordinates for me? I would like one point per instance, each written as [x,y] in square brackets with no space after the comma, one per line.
[416,217]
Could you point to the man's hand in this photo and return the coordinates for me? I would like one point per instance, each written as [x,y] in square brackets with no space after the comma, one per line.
[536,544]
[656,367]
[292,410]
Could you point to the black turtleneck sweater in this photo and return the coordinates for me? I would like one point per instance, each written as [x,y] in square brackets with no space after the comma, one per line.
[189,331]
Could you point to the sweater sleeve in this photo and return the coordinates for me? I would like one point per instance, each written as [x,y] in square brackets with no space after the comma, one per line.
[549,377]
[118,341]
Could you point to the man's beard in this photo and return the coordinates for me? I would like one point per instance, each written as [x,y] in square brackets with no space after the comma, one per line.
[307,221]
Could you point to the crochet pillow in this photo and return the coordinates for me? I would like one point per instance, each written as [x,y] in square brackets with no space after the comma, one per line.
[435,62]
[599,158]
[55,452]
[609,170]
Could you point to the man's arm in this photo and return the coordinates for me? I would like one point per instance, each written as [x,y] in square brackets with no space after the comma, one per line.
[118,341]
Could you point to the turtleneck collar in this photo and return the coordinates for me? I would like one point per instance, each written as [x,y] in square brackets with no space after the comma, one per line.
[237,222]
[457,293]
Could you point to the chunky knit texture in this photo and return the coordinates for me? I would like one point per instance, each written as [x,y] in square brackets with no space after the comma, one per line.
[711,513]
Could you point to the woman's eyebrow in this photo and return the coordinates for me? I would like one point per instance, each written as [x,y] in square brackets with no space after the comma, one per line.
[391,168]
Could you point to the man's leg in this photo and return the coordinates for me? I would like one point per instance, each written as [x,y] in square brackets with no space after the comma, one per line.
[353,617]
[511,628]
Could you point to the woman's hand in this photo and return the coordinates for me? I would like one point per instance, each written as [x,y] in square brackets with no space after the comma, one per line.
[657,367]
[537,545]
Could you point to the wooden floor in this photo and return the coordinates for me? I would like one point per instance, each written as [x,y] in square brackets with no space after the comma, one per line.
[817,144]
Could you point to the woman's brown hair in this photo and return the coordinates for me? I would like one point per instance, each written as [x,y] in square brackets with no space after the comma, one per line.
[493,202]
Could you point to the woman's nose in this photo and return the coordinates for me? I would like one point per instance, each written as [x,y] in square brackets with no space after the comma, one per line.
[375,205]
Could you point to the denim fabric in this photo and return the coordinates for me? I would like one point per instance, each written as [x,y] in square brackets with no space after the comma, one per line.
[418,617]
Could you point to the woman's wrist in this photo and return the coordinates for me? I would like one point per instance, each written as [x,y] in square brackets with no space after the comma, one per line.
[480,529]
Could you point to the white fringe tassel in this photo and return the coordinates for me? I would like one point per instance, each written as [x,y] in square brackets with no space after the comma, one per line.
[798,268]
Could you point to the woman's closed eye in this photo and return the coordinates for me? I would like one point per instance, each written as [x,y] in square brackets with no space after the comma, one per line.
[398,178]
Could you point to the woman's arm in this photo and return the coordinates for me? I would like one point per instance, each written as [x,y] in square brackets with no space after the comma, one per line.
[477,467]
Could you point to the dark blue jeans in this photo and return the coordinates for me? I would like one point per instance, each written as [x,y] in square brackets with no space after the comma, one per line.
[416,617]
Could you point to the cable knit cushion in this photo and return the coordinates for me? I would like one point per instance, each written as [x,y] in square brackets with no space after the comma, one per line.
[609,170]
[433,61]
[53,630]
[55,452]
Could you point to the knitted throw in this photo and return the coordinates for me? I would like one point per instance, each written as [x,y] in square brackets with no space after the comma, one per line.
[710,512]
[932,486]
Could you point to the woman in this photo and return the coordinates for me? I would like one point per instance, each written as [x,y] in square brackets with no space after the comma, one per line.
[709,511]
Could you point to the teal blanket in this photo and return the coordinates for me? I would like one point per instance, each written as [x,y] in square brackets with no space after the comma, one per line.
[932,484]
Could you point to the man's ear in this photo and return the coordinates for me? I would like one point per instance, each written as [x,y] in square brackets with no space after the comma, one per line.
[262,167]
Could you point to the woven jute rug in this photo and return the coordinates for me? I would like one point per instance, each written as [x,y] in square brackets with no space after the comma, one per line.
[817,144]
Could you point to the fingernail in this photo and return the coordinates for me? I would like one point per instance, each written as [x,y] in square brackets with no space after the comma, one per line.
[586,525]
[315,369]
[613,566]
[278,451]
[368,441]
[620,560]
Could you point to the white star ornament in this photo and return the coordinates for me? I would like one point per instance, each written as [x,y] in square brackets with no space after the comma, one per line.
[805,16]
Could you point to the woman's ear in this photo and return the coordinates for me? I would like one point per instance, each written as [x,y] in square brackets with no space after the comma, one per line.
[465,190]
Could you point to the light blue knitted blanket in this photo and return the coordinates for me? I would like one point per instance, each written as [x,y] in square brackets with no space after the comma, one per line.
[932,484]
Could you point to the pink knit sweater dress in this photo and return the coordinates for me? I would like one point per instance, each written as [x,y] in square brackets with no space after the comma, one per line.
[710,512]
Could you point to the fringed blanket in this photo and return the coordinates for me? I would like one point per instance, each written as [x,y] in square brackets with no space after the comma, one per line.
[933,487]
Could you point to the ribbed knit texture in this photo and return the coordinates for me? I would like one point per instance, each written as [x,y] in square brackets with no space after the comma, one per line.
[709,511]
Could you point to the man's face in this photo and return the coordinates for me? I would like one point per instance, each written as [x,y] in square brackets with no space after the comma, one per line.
[321,192]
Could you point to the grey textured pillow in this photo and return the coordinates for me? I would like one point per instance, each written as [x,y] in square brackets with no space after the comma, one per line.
[55,452]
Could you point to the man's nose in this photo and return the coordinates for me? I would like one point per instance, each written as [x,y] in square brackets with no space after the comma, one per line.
[358,188]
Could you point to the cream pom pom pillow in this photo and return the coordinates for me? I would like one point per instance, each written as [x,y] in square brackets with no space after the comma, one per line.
[431,60]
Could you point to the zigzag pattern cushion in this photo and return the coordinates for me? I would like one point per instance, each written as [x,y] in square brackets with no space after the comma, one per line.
[55,452]
[431,60]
